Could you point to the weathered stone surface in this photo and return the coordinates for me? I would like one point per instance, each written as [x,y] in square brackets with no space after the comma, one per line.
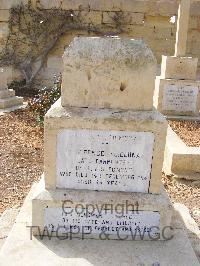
[174,67]
[54,62]
[11,101]
[104,160]
[8,4]
[3,79]
[4,30]
[89,17]
[128,18]
[6,93]
[98,153]
[103,120]
[7,97]
[192,228]
[55,208]
[48,4]
[7,220]
[177,97]
[4,15]
[182,27]
[21,250]
[181,160]
[108,73]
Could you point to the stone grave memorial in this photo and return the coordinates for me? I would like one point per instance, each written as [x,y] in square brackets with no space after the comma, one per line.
[104,146]
[177,92]
[7,96]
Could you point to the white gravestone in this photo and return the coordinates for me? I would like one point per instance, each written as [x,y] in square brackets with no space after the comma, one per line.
[104,160]
[180,98]
[106,221]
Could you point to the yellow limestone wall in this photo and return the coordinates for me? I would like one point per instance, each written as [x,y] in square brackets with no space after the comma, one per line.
[146,19]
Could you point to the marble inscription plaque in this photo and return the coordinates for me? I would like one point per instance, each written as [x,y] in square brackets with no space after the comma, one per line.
[77,220]
[180,98]
[104,160]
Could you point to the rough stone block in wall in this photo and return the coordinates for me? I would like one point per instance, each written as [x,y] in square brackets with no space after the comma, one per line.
[128,17]
[48,4]
[54,62]
[167,8]
[194,22]
[4,15]
[158,21]
[88,17]
[102,5]
[194,34]
[7,4]
[150,32]
[76,4]
[4,30]
[195,8]
[140,6]
[193,48]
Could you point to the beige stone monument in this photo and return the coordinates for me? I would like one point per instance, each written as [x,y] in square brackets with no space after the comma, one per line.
[176,90]
[104,146]
[7,97]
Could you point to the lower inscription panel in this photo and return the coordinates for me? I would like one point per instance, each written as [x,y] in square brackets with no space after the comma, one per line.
[101,223]
[180,98]
[104,160]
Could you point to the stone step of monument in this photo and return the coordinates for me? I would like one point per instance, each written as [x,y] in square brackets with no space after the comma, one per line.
[180,160]
[9,102]
[22,249]
[7,220]
[118,214]
[6,93]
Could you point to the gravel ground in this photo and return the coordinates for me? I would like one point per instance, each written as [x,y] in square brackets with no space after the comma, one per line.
[186,192]
[21,162]
[21,157]
[189,131]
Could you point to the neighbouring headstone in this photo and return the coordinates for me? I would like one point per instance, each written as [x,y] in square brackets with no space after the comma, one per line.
[7,96]
[104,146]
[176,91]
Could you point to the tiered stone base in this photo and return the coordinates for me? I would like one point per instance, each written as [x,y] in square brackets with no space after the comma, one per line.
[8,99]
[99,214]
[177,92]
[23,249]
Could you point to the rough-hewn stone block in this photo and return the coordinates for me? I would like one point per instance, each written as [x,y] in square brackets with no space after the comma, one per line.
[158,21]
[48,4]
[4,30]
[108,72]
[127,17]
[5,4]
[179,67]
[88,17]
[4,15]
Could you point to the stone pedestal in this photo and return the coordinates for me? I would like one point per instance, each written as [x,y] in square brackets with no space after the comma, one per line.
[104,146]
[7,97]
[177,92]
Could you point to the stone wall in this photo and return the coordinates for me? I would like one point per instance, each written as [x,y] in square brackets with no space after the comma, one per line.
[145,19]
